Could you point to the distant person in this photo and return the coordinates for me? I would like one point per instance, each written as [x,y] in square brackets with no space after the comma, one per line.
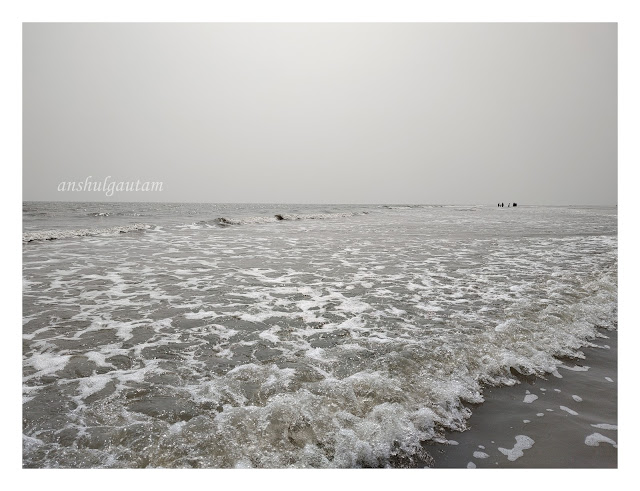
[509,205]
[503,205]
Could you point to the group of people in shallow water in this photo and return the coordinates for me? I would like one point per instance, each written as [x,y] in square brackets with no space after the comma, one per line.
[501,205]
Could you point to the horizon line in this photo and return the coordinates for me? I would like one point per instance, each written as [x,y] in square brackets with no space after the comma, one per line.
[311,203]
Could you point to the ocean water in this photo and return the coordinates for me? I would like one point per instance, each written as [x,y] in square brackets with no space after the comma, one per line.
[202,335]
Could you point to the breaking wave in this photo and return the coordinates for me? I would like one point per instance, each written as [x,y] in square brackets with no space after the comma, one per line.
[216,222]
[225,222]
[83,232]
[100,214]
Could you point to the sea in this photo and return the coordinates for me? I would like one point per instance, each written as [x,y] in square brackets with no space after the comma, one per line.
[178,335]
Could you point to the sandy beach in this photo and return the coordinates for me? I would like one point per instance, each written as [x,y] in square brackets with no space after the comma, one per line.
[568,420]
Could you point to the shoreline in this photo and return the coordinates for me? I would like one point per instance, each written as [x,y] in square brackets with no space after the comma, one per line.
[568,420]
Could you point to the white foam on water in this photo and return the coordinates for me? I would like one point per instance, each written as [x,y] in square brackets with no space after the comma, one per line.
[471,465]
[225,353]
[570,411]
[595,439]
[318,354]
[270,335]
[605,426]
[263,316]
[396,311]
[222,331]
[529,398]
[202,314]
[48,363]
[523,443]
[243,464]
[575,368]
[351,305]
[365,361]
[526,421]
[34,333]
[608,379]
[576,398]
[503,326]
[480,455]
[98,358]
[539,414]
[176,428]
[90,385]
[30,443]
[27,284]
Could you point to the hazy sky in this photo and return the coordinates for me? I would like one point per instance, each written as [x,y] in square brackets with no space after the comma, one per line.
[323,113]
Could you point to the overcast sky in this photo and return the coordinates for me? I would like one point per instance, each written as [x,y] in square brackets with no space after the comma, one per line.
[323,113]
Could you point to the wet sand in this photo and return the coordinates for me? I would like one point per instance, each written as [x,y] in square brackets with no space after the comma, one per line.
[567,422]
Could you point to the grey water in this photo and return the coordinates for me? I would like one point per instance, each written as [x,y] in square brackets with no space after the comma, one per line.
[226,335]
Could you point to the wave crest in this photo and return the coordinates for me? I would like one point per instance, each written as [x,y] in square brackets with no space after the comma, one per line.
[225,222]
[84,232]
